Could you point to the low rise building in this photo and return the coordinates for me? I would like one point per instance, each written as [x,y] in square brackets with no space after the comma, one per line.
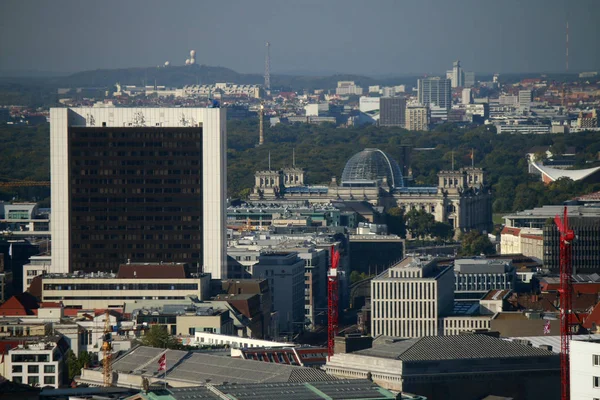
[465,367]
[584,362]
[132,282]
[483,274]
[37,363]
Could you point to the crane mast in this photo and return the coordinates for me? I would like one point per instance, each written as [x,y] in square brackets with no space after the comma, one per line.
[566,295]
[332,301]
[107,351]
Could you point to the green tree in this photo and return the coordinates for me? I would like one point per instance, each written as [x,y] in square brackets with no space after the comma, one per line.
[474,243]
[157,336]
[75,364]
[442,231]
[394,218]
[419,223]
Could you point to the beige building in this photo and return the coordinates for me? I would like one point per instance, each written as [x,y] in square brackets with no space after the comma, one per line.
[417,118]
[108,290]
[408,299]
[526,241]
[455,325]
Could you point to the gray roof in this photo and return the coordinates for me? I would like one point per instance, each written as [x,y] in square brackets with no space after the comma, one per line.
[461,347]
[334,390]
[201,368]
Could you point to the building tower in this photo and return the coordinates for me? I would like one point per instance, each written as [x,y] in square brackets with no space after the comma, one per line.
[139,184]
[261,133]
[268,67]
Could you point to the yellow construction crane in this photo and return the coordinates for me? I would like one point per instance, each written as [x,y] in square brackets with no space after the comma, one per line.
[107,351]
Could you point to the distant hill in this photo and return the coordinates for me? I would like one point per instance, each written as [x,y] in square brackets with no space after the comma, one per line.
[178,76]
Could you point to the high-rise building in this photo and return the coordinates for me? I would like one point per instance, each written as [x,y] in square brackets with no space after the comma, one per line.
[456,75]
[392,111]
[417,118]
[467,96]
[525,98]
[138,184]
[469,79]
[435,91]
[408,299]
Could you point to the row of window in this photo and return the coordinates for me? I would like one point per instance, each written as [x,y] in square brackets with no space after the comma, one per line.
[35,380]
[403,290]
[404,309]
[134,181]
[123,286]
[26,358]
[150,161]
[405,328]
[34,369]
[146,134]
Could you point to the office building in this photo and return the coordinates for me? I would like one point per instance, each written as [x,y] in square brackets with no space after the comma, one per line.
[38,363]
[408,299]
[348,88]
[368,104]
[285,274]
[139,184]
[585,369]
[525,98]
[588,119]
[457,75]
[459,367]
[467,96]
[132,282]
[435,91]
[417,118]
[392,111]
[469,79]
[482,275]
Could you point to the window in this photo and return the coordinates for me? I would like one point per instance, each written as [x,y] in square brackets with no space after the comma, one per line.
[33,369]
[49,380]
[192,331]
[49,369]
[17,379]
[596,360]
[17,368]
[33,380]
[596,381]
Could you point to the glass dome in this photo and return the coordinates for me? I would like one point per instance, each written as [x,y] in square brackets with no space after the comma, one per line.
[370,167]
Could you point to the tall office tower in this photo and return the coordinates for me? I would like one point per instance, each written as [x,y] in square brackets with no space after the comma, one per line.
[457,75]
[525,97]
[408,299]
[417,118]
[469,80]
[392,111]
[435,91]
[138,184]
[467,96]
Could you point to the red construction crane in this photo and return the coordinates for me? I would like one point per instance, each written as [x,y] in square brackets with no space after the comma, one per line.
[332,301]
[566,292]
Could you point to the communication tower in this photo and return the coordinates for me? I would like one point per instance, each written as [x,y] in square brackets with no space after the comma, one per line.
[268,67]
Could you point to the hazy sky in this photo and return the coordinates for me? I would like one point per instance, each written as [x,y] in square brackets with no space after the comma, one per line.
[368,37]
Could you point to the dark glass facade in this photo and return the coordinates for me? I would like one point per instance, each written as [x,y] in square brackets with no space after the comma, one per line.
[392,111]
[136,194]
[586,246]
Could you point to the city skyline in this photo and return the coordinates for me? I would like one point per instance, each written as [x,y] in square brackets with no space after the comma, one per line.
[306,38]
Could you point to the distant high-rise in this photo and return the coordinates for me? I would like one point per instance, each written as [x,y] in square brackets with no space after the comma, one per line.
[138,184]
[435,91]
[417,118]
[457,75]
[467,96]
[469,79]
[392,111]
[525,98]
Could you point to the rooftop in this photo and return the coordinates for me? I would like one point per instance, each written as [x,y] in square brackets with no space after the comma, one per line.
[460,347]
[189,367]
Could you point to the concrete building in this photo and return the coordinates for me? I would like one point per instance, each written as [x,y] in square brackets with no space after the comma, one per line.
[417,117]
[285,274]
[436,91]
[526,241]
[367,104]
[457,75]
[392,111]
[584,361]
[38,265]
[482,275]
[346,88]
[316,109]
[466,96]
[408,299]
[587,119]
[169,162]
[103,290]
[37,363]
[461,367]
[525,99]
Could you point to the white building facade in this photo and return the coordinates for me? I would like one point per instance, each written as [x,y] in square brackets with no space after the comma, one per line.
[408,299]
[36,364]
[585,369]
